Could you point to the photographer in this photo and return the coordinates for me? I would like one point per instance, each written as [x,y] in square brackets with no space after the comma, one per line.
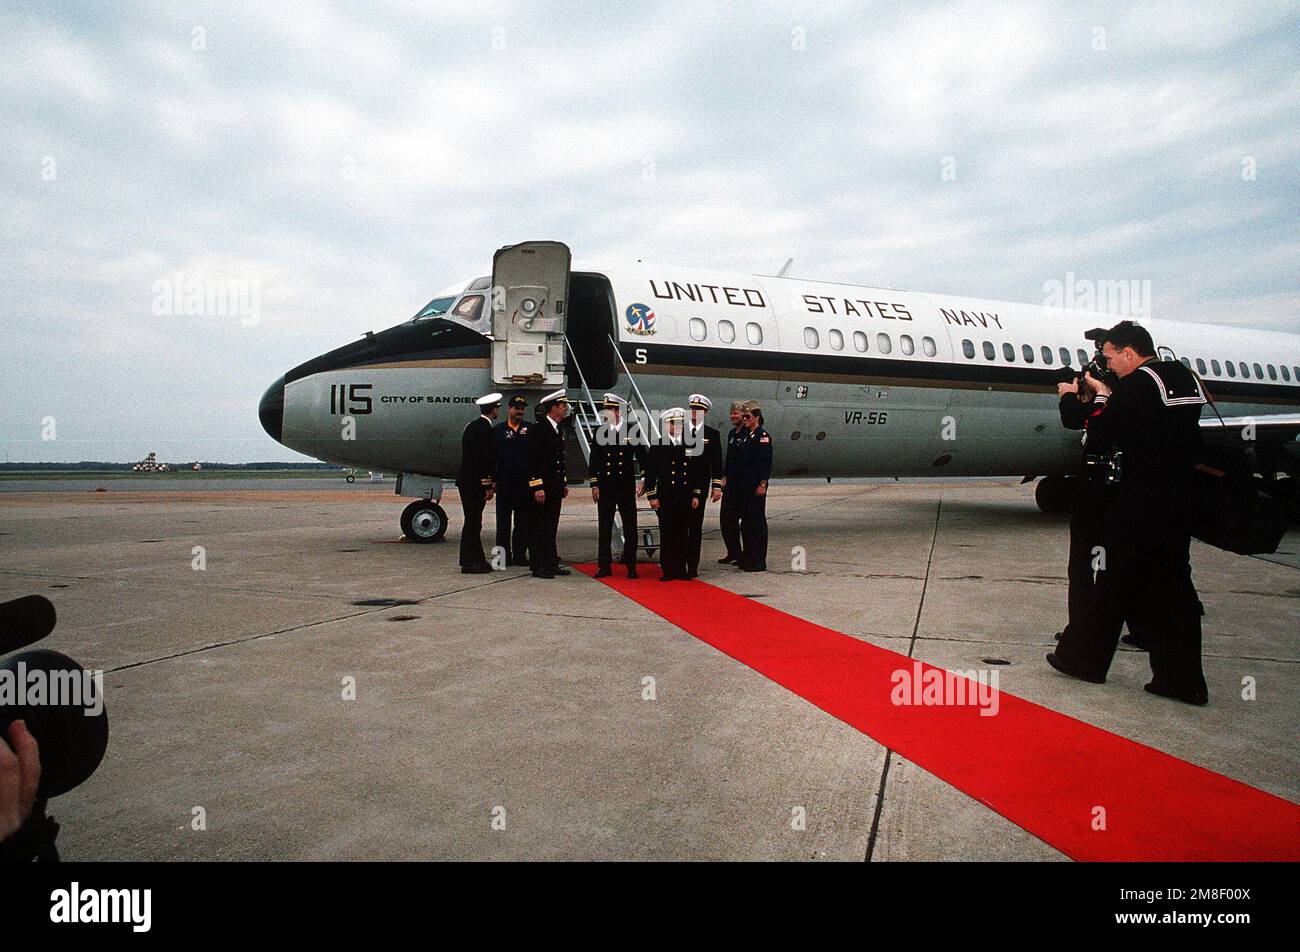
[1146,433]
[20,775]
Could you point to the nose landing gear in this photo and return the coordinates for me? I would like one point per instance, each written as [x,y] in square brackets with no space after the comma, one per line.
[424,521]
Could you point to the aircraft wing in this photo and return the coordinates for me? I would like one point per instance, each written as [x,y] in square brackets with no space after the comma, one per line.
[1268,427]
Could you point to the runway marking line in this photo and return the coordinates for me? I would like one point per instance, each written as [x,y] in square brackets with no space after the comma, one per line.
[1046,772]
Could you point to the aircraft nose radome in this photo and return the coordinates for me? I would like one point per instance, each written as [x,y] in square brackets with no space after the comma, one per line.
[271,410]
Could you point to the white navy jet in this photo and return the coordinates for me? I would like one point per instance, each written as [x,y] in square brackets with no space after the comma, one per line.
[854,381]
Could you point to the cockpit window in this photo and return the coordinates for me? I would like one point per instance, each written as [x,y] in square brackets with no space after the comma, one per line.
[480,284]
[470,307]
[435,308]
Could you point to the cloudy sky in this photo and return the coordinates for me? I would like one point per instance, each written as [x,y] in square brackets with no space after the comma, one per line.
[350,160]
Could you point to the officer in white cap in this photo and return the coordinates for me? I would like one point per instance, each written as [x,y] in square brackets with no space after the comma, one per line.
[548,482]
[704,459]
[612,468]
[478,462]
[672,493]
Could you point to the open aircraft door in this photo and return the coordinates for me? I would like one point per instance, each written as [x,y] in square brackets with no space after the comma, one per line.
[530,304]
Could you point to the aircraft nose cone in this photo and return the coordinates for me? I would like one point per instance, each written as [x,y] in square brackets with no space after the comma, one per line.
[271,410]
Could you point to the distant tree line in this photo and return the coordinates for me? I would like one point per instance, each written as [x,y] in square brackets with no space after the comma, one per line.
[100,466]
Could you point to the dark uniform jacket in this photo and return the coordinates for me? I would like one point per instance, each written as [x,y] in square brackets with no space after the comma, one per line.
[705,461]
[668,476]
[735,440]
[478,455]
[613,460]
[1152,417]
[512,450]
[545,456]
[755,463]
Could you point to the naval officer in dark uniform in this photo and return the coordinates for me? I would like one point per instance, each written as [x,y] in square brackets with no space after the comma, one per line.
[1148,431]
[514,499]
[478,461]
[754,469]
[729,510]
[547,480]
[672,493]
[704,460]
[613,464]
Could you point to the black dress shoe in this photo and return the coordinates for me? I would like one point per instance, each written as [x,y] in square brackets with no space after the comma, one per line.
[669,578]
[475,569]
[543,575]
[728,560]
[1133,641]
[1059,634]
[559,571]
[604,573]
[631,573]
[1198,698]
[690,574]
[1061,666]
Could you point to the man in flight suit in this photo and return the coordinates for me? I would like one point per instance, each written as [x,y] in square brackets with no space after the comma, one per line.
[754,471]
[514,499]
[729,511]
[547,481]
[704,460]
[672,494]
[478,461]
[613,484]
[1148,428]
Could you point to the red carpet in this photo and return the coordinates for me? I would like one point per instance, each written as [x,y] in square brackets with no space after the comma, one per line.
[1043,771]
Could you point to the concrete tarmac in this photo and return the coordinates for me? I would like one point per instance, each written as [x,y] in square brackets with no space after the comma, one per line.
[503,700]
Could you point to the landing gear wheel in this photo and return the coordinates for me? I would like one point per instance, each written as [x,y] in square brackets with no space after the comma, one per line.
[1055,493]
[424,521]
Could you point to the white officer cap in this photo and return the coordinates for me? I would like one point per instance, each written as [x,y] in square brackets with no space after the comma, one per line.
[672,413]
[559,396]
[700,402]
[613,401]
[489,400]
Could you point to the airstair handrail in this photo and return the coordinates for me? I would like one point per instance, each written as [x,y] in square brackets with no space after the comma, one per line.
[642,407]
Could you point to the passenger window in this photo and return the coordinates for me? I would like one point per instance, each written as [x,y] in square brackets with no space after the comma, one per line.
[1214,364]
[1008,352]
[1272,372]
[1232,370]
[968,349]
[754,334]
[1286,375]
[883,343]
[860,341]
[931,349]
[837,340]
[726,331]
[811,338]
[1259,371]
[1083,358]
[988,351]
[1245,371]
[697,329]
[1185,362]
[905,341]
[1065,356]
[1200,366]
[1048,356]
[1027,352]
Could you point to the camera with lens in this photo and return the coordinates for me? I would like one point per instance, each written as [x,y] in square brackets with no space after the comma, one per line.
[1098,367]
[63,707]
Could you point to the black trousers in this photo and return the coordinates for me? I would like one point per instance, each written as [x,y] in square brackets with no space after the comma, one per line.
[623,500]
[514,506]
[544,522]
[1147,579]
[753,526]
[674,515]
[472,501]
[695,535]
[729,519]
